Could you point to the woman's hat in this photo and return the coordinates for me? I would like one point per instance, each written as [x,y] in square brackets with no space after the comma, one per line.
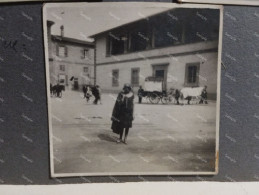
[127,85]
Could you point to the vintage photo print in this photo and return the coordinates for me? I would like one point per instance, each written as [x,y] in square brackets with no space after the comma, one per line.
[133,88]
[230,2]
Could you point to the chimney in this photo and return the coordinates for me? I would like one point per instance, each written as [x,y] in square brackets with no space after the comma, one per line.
[62,31]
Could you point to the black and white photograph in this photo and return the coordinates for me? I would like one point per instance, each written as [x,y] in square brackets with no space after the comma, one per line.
[133,88]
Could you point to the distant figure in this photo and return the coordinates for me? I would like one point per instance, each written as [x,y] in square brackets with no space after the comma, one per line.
[204,96]
[122,115]
[99,94]
[59,90]
[51,89]
[96,94]
[88,93]
[177,96]
[140,94]
[84,90]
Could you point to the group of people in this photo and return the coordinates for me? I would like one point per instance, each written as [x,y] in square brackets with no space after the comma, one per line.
[92,91]
[56,90]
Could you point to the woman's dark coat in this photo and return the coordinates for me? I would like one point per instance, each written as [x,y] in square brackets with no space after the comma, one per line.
[122,115]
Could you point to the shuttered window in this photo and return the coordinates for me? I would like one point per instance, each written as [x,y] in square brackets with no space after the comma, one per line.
[62,51]
[115,78]
[62,68]
[192,74]
[85,69]
[135,77]
[85,54]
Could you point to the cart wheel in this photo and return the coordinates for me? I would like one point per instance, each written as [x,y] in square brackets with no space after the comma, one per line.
[154,99]
[165,100]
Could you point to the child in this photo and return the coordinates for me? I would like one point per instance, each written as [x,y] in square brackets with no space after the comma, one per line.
[88,93]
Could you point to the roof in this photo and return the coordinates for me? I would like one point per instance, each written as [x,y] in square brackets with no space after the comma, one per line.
[72,41]
[126,24]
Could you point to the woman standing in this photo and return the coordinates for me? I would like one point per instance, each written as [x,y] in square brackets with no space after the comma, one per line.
[122,115]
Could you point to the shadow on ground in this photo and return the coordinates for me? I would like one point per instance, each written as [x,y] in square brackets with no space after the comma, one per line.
[107,137]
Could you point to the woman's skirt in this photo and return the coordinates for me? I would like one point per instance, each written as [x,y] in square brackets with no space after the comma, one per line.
[117,127]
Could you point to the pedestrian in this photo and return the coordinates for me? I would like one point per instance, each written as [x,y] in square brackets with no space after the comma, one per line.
[59,90]
[177,96]
[140,94]
[204,96]
[99,94]
[122,115]
[84,90]
[51,90]
[88,93]
[94,92]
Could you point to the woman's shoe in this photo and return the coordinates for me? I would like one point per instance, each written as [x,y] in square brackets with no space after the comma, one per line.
[119,141]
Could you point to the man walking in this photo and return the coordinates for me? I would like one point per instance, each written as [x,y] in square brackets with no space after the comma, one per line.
[204,96]
[84,90]
[96,94]
[177,96]
[140,94]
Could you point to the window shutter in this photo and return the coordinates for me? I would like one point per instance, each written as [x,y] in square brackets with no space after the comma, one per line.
[82,53]
[57,50]
[66,51]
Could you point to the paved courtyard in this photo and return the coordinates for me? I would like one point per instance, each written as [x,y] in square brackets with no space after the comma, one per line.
[164,138]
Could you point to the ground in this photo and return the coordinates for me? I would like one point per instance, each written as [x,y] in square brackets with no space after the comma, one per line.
[164,138]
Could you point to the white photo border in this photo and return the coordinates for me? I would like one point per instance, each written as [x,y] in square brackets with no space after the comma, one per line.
[169,5]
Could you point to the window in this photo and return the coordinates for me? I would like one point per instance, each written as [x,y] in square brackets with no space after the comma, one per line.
[115,78]
[139,40]
[192,74]
[85,53]
[62,51]
[62,67]
[116,43]
[62,79]
[86,69]
[135,77]
[168,33]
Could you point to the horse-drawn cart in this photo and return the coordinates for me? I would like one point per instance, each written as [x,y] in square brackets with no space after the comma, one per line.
[154,93]
[153,89]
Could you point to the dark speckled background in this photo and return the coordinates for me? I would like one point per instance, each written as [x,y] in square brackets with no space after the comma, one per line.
[24,146]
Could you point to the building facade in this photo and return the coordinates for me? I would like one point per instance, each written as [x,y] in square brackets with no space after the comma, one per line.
[180,46]
[71,61]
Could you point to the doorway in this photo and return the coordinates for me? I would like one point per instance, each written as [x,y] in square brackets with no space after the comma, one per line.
[160,71]
[76,85]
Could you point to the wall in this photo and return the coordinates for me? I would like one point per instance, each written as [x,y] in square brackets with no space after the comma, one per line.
[176,71]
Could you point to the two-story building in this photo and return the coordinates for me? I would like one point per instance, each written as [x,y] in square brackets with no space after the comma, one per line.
[70,60]
[180,46]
